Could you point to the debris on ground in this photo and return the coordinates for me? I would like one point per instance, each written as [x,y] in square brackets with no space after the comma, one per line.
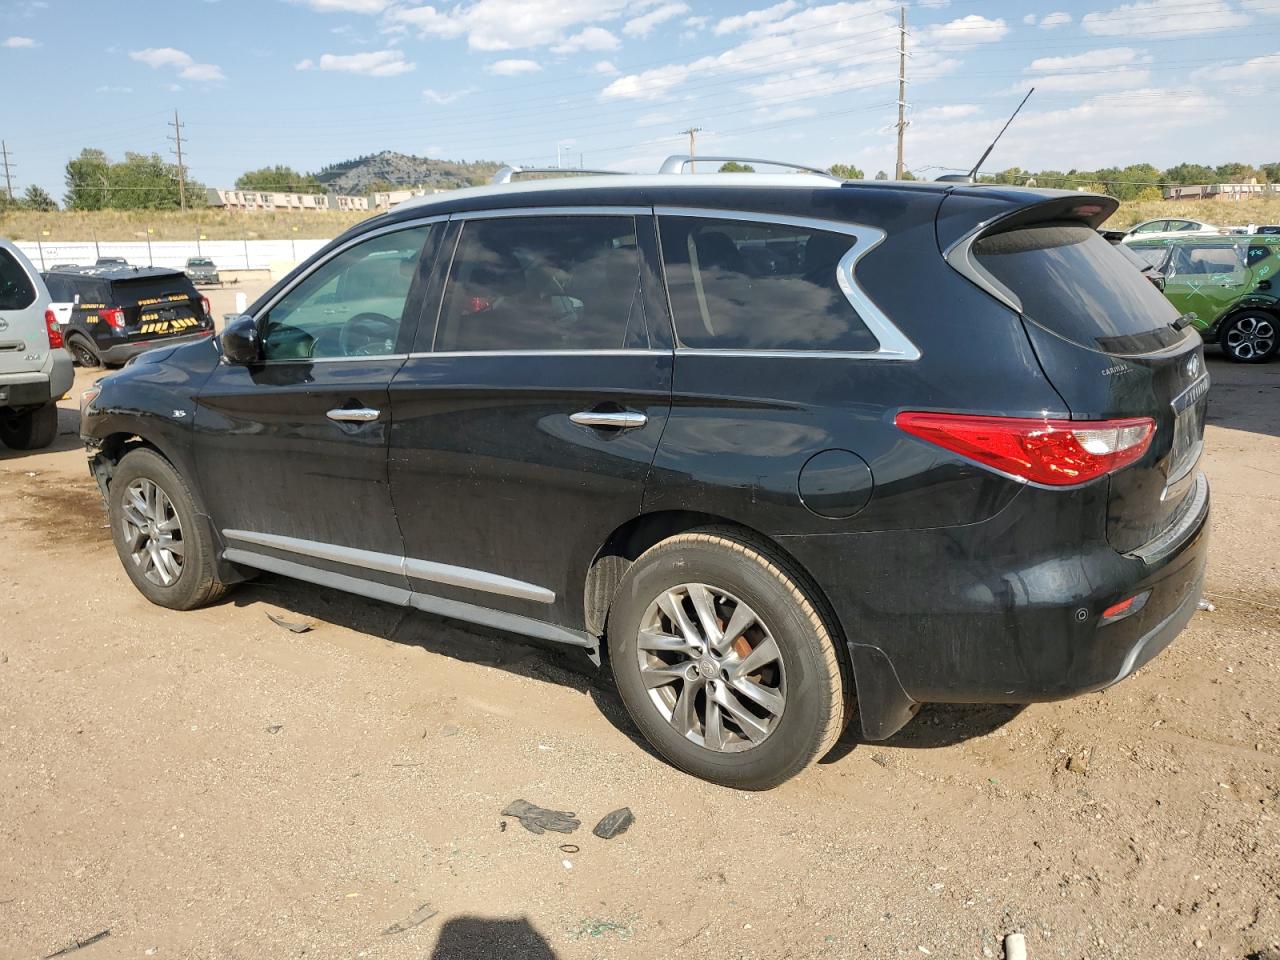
[880,758]
[1015,947]
[1078,762]
[614,823]
[290,625]
[419,916]
[275,728]
[569,848]
[79,944]
[448,730]
[536,819]
[1207,606]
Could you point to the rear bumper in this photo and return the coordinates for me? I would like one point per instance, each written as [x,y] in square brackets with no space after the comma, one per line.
[122,352]
[985,614]
[38,387]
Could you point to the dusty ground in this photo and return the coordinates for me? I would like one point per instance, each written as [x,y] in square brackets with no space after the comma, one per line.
[208,784]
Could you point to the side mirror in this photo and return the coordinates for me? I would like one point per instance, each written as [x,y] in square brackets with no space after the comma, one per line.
[240,342]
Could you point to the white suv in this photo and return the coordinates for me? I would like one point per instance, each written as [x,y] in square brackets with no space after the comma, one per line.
[35,372]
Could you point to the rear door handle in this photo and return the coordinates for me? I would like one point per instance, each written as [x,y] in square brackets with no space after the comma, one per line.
[621,420]
[360,415]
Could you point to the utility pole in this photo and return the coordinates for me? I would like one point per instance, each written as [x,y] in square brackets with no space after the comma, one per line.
[8,175]
[902,88]
[182,171]
[693,134]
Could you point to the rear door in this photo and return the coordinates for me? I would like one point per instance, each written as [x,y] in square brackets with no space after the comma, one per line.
[1206,278]
[1113,347]
[525,423]
[24,341]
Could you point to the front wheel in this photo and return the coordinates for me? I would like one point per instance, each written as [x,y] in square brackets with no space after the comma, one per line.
[1250,337]
[724,663]
[165,547]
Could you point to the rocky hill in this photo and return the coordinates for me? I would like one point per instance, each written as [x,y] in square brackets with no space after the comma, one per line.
[389,169]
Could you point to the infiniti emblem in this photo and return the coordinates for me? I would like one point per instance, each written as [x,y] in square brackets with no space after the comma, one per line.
[1193,366]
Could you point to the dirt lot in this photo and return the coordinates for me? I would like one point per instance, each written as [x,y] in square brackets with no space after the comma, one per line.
[209,784]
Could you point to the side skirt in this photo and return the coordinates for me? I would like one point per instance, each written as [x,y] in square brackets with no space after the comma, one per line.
[454,609]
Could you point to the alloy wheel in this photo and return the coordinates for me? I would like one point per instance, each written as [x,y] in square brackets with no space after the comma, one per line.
[712,667]
[153,532]
[1251,337]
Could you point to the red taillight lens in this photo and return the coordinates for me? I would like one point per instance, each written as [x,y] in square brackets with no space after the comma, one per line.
[208,310]
[114,317]
[51,328]
[1058,453]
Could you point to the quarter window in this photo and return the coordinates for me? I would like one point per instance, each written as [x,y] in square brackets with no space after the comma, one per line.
[544,283]
[352,305]
[744,285]
[16,290]
[1259,253]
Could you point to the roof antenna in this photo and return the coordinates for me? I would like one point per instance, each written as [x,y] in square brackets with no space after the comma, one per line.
[973,174]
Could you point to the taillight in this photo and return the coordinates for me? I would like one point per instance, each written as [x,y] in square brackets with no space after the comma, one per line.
[113,316]
[1058,453]
[208,310]
[51,328]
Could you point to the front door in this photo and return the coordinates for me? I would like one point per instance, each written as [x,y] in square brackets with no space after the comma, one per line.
[292,452]
[1205,278]
[524,429]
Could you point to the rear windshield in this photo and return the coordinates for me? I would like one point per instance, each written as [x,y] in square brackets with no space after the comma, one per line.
[128,293]
[1074,283]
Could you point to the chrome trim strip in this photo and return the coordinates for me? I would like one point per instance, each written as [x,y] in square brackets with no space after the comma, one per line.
[1153,551]
[329,255]
[639,351]
[598,211]
[325,578]
[894,344]
[405,566]
[370,359]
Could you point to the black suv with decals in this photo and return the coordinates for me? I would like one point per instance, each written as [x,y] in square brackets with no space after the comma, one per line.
[109,314]
[787,450]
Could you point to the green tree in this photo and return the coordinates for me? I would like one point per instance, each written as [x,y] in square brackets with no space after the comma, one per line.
[1188,173]
[733,166]
[1271,171]
[279,179]
[1235,173]
[87,179]
[845,171]
[37,199]
[881,175]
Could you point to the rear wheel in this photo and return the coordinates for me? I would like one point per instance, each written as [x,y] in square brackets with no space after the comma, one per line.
[165,546]
[32,429]
[83,354]
[723,661]
[1250,337]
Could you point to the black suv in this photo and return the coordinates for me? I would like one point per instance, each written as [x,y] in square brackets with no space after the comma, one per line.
[114,313]
[787,449]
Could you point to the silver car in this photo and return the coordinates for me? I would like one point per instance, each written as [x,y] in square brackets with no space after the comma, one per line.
[202,270]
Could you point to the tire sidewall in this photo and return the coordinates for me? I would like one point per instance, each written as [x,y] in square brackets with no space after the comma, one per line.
[792,744]
[196,561]
[94,361]
[1259,315]
[32,429]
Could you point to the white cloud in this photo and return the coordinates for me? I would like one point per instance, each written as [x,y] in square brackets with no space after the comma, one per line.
[114,90]
[590,38]
[21,43]
[346,6]
[161,57]
[506,24]
[375,63]
[696,23]
[935,4]
[1123,78]
[513,68]
[642,25]
[604,66]
[964,32]
[1090,59]
[1256,76]
[1169,18]
[443,97]
[1030,19]
[745,21]
[1052,20]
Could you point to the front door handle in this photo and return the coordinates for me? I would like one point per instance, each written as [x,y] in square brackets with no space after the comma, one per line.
[621,420]
[360,415]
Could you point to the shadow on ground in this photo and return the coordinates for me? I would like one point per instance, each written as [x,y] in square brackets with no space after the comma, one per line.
[1243,396]
[68,438]
[483,938]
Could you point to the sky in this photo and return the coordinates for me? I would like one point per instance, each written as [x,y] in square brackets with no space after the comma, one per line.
[612,83]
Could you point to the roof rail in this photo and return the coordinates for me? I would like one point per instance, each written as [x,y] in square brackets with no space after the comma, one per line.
[509,173]
[677,162]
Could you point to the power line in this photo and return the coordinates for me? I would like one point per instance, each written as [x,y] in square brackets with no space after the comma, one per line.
[902,86]
[8,178]
[182,171]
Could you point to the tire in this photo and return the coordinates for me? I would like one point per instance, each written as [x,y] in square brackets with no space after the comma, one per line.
[32,429]
[82,353]
[772,745]
[180,579]
[1250,337]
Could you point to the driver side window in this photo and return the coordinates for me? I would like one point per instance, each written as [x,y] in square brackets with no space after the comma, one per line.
[351,305]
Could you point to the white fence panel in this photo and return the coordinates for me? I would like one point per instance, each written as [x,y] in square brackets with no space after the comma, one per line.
[227,254]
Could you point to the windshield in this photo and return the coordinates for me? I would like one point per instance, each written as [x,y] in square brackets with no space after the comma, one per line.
[1075,284]
[200,262]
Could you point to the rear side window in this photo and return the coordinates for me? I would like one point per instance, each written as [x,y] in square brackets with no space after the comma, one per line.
[544,283]
[743,285]
[1260,252]
[17,292]
[1073,283]
[1205,260]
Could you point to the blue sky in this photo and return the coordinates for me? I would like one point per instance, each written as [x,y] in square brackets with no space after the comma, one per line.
[309,82]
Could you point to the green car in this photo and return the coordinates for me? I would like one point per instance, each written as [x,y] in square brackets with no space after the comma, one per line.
[1226,285]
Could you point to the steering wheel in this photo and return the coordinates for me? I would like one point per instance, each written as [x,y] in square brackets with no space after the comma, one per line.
[368,334]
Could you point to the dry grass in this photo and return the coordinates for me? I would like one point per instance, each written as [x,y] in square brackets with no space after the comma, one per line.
[222,225]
